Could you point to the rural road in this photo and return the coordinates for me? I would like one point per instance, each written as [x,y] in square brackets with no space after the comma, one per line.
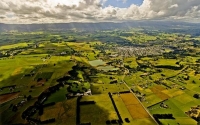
[137,98]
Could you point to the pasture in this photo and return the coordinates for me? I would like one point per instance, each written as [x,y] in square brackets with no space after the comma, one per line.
[157,91]
[96,63]
[171,62]
[173,109]
[64,112]
[123,111]
[131,62]
[107,68]
[99,112]
[13,46]
[18,65]
[106,88]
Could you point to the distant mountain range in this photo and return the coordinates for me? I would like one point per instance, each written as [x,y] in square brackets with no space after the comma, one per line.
[156,25]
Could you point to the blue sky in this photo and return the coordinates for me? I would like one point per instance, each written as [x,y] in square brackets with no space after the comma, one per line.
[121,4]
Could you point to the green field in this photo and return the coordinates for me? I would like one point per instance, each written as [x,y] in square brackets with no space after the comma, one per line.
[97,62]
[99,112]
[107,68]
[13,46]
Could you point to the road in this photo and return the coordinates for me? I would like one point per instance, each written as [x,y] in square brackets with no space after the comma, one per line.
[126,70]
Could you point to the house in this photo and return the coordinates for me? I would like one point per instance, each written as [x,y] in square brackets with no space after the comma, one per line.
[63,53]
[89,92]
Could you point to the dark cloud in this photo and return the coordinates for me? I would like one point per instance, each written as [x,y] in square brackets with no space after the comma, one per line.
[2,17]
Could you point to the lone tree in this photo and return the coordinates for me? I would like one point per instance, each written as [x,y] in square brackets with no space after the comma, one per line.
[29,97]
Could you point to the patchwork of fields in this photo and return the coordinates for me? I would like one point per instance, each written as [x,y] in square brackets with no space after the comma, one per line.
[64,81]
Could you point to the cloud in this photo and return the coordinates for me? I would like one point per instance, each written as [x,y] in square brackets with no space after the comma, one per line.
[104,1]
[2,17]
[173,6]
[43,11]
[124,1]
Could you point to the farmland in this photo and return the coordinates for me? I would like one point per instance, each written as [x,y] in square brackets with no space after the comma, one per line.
[97,62]
[134,107]
[8,97]
[99,112]
[64,112]
[107,77]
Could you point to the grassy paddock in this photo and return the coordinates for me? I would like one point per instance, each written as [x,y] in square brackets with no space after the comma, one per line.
[99,112]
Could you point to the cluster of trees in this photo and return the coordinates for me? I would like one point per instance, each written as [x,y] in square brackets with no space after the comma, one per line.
[85,69]
[87,102]
[127,120]
[162,116]
[124,92]
[197,96]
[80,90]
[113,82]
[170,67]
[63,79]
[111,122]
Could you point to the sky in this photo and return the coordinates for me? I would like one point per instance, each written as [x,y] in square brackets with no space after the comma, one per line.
[122,3]
[64,11]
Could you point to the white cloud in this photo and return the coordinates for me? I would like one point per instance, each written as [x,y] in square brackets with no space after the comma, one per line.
[173,6]
[43,11]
